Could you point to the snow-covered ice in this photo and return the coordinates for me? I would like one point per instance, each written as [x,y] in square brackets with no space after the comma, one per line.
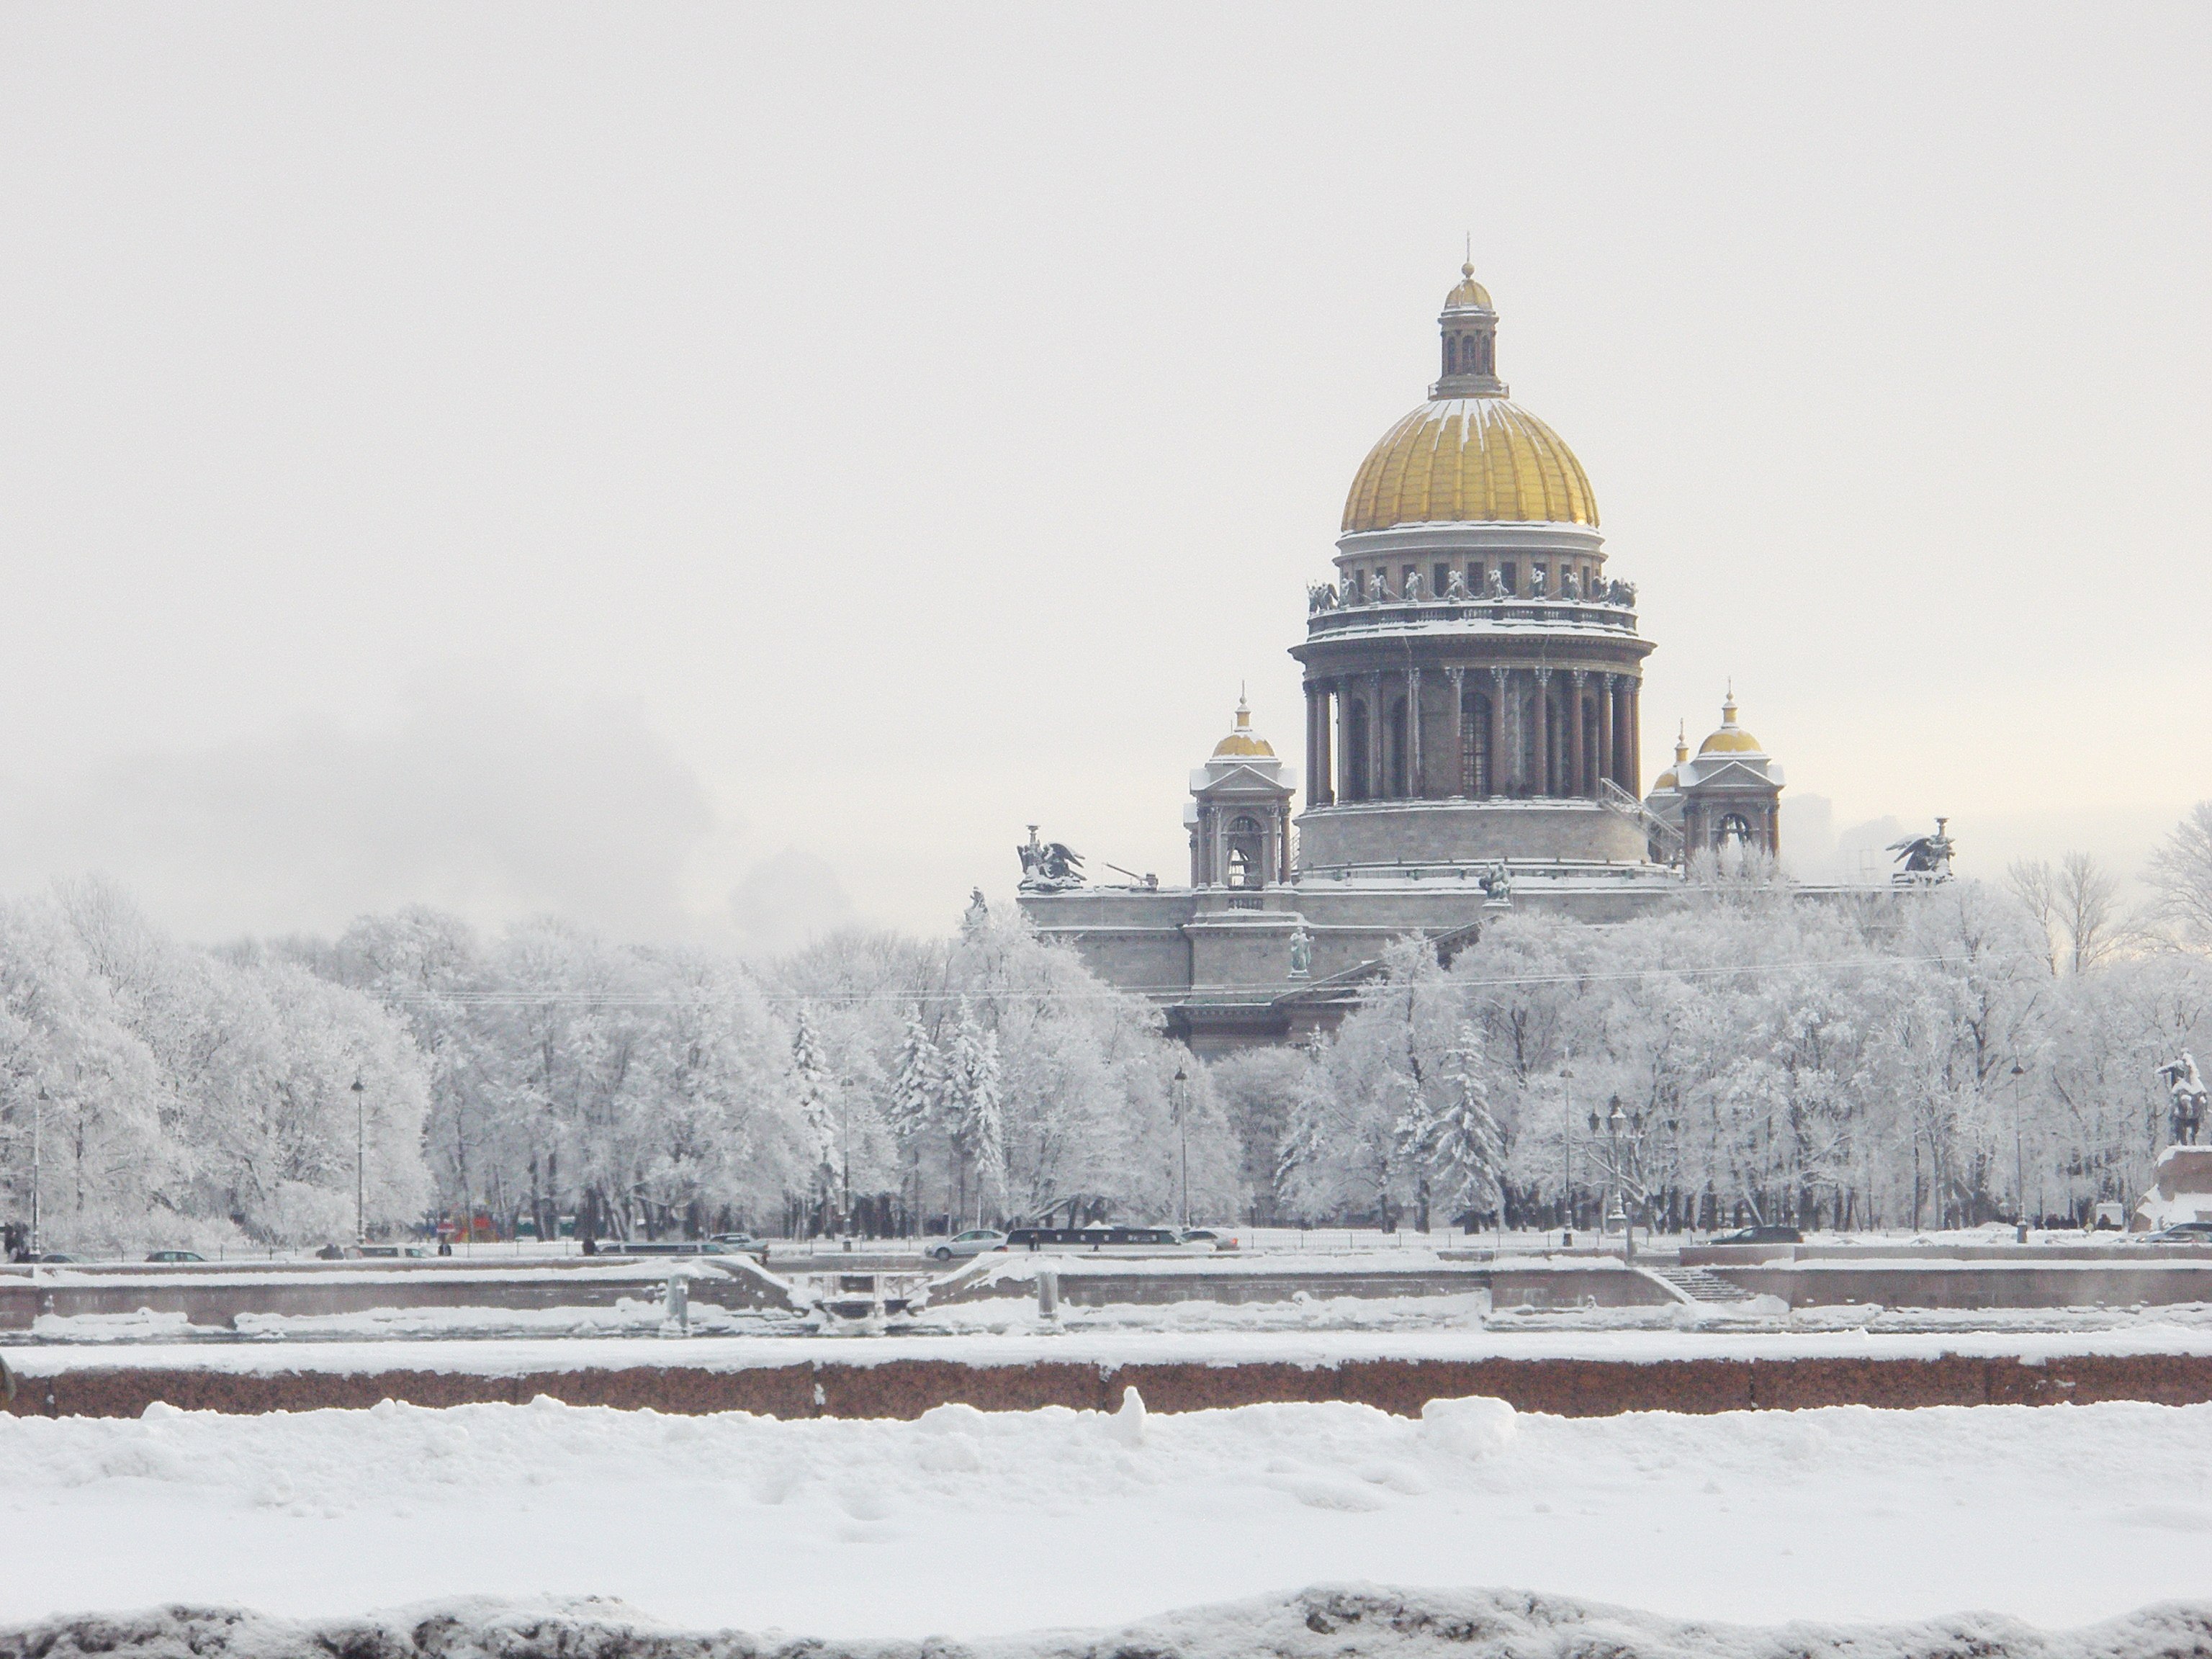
[1328,1621]
[974,1523]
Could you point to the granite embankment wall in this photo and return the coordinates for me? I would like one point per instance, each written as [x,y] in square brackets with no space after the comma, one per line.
[213,1296]
[907,1387]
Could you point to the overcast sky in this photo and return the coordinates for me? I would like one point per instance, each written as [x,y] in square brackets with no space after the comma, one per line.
[719,470]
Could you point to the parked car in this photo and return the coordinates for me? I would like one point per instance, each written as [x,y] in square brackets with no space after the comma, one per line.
[973,1242]
[61,1259]
[176,1256]
[2182,1232]
[410,1251]
[1761,1235]
[744,1244]
[1100,1236]
[665,1246]
[1208,1237]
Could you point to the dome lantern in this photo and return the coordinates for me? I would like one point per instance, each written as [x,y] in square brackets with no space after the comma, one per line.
[1469,324]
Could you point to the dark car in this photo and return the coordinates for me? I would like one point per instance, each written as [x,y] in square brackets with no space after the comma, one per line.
[175,1255]
[61,1259]
[1761,1235]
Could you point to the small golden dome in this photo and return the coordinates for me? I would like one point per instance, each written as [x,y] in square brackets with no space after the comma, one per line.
[1243,743]
[1731,739]
[1460,460]
[1469,295]
[1665,781]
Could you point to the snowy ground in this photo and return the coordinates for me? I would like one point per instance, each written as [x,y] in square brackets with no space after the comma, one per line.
[973,1523]
[1240,1336]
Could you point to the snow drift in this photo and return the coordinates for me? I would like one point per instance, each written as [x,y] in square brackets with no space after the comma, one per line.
[1329,1622]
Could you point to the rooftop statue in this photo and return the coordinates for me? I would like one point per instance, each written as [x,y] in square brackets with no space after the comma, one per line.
[1049,866]
[1320,596]
[2185,1114]
[1377,592]
[1411,595]
[1348,592]
[1535,581]
[1495,587]
[1622,594]
[1456,586]
[1570,587]
[1925,856]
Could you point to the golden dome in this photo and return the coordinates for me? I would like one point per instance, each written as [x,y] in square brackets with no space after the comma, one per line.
[1731,739]
[1469,294]
[1243,743]
[1469,461]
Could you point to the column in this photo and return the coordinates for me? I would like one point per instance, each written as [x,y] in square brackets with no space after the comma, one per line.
[1632,772]
[1374,729]
[1317,743]
[1457,676]
[1609,756]
[1414,781]
[1347,787]
[1577,775]
[1499,773]
[1542,761]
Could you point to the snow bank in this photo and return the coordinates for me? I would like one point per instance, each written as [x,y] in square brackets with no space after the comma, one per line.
[978,1522]
[1353,1621]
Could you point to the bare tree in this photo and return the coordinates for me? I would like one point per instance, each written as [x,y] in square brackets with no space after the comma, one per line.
[2033,883]
[2089,898]
[2180,873]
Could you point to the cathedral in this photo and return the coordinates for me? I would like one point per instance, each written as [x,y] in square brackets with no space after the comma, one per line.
[1473,676]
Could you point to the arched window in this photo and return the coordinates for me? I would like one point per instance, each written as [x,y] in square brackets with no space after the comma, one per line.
[1247,850]
[1451,354]
[1355,750]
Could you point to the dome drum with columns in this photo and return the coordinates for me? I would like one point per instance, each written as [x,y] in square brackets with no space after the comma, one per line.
[1474,686]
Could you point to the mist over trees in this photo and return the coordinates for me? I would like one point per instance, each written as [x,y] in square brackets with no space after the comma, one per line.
[1910,1059]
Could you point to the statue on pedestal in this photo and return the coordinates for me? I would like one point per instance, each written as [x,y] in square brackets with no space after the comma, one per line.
[1301,953]
[2185,1114]
[1049,866]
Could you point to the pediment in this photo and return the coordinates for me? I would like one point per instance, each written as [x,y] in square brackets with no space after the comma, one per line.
[1244,780]
[1730,774]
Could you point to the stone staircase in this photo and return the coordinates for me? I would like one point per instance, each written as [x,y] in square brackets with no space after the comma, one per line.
[1696,1284]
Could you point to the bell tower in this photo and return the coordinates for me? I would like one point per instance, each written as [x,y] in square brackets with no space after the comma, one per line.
[1239,816]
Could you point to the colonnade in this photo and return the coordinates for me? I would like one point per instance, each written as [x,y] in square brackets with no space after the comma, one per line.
[1507,732]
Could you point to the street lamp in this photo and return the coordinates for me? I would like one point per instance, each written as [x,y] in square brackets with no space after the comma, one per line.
[1183,1138]
[38,1128]
[1567,1150]
[360,1162]
[2019,1161]
[1615,1123]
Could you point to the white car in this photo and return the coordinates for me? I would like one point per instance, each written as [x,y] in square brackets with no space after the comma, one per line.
[973,1242]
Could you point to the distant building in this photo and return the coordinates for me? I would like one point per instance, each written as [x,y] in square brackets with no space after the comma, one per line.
[1473,707]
